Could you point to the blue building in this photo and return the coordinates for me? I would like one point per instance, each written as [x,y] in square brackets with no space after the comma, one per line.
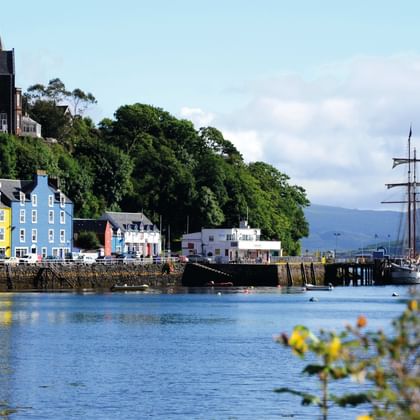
[41,216]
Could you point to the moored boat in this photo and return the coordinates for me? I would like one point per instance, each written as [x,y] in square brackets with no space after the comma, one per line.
[407,270]
[313,287]
[129,288]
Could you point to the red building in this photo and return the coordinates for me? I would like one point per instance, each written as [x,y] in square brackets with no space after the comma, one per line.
[101,228]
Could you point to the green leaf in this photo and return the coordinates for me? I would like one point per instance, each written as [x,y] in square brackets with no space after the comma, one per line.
[313,369]
[351,399]
[307,399]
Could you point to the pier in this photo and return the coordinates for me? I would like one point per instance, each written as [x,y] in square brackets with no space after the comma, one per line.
[66,277]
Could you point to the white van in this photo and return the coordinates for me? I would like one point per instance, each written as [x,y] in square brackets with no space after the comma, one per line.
[29,259]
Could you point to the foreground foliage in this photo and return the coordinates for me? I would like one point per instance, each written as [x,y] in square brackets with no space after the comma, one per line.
[389,364]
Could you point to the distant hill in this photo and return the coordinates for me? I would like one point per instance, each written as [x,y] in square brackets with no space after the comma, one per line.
[357,228]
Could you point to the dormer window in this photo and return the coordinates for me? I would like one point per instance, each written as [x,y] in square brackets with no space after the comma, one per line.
[34,200]
[22,198]
[62,200]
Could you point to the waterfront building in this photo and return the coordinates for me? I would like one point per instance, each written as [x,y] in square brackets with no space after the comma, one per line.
[225,245]
[5,229]
[41,216]
[10,96]
[11,119]
[102,230]
[133,233]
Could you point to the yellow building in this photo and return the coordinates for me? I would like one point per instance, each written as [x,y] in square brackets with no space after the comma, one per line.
[5,230]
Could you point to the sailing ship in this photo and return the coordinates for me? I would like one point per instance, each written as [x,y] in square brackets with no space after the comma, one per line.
[406,270]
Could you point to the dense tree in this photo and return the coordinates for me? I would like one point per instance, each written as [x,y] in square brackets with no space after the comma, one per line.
[147,160]
[7,156]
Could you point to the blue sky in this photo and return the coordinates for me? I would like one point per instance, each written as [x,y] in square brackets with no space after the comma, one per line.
[323,90]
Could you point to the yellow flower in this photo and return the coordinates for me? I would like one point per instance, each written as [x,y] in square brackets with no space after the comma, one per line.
[334,348]
[297,340]
[412,305]
[364,417]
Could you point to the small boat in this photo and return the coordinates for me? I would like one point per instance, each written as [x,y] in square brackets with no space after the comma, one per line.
[314,287]
[129,288]
[219,284]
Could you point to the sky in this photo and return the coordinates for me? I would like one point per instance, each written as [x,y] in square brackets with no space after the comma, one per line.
[323,90]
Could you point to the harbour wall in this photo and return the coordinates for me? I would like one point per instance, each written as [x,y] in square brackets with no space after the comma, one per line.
[75,277]
[269,275]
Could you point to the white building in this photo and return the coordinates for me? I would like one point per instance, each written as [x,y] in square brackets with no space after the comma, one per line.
[140,235]
[241,244]
[30,127]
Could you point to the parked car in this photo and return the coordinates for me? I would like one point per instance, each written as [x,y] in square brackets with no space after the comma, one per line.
[105,259]
[29,259]
[11,260]
[85,259]
[197,258]
[127,259]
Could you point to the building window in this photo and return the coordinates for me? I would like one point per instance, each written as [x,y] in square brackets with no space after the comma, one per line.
[62,200]
[34,235]
[55,252]
[22,216]
[62,235]
[211,238]
[34,216]
[44,252]
[22,235]
[22,198]
[1,234]
[1,215]
[34,200]
[229,237]
[62,217]
[50,201]
[51,216]
[50,235]
[20,252]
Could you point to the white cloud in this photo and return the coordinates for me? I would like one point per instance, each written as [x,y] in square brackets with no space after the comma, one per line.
[335,136]
[197,116]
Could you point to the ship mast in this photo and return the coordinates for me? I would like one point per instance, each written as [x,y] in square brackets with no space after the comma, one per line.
[414,205]
[411,186]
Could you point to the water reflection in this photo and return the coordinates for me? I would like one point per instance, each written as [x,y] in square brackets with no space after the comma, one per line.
[147,319]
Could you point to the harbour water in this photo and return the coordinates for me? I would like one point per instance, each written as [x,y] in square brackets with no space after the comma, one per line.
[188,354]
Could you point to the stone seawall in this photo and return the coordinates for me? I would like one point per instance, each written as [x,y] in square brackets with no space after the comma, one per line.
[74,277]
[269,275]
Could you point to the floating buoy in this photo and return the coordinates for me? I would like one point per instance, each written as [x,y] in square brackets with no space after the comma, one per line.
[219,293]
[395,294]
[313,299]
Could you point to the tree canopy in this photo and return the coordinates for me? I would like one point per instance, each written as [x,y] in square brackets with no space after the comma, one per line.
[145,159]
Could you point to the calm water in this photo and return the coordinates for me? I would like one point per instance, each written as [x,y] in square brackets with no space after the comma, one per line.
[168,356]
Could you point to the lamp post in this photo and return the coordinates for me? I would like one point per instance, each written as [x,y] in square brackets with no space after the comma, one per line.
[389,245]
[336,234]
[376,241]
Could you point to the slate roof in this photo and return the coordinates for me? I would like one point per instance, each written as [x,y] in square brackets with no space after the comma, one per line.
[89,225]
[10,189]
[128,221]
